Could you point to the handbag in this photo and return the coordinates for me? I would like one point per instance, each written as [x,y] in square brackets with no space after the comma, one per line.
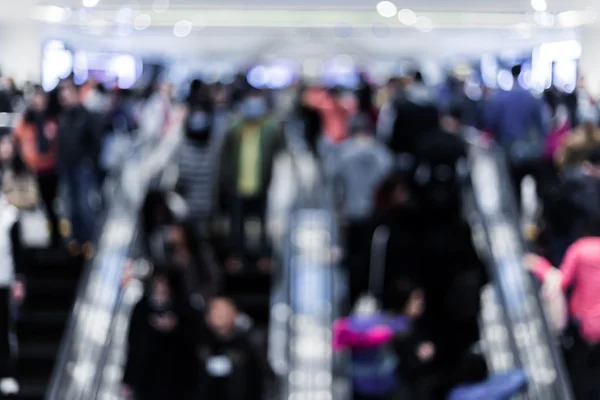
[527,149]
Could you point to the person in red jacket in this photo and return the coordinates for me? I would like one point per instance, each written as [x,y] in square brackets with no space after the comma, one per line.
[580,272]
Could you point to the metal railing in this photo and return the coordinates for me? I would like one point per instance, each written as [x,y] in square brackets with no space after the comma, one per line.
[79,370]
[530,338]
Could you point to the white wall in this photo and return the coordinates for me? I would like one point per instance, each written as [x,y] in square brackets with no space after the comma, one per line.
[21,50]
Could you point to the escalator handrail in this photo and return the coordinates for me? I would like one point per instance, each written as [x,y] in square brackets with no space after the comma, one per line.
[508,199]
[66,343]
[97,385]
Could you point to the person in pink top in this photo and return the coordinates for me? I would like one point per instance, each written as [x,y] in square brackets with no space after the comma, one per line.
[580,272]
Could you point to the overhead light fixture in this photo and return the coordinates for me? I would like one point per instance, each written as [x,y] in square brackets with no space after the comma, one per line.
[142,22]
[387,9]
[182,28]
[424,24]
[90,3]
[56,15]
[539,5]
[407,17]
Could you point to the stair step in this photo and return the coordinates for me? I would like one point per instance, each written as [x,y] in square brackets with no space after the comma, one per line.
[36,360]
[256,306]
[32,389]
[46,325]
[50,294]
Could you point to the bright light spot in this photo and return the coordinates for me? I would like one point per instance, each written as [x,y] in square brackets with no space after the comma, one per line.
[424,24]
[569,19]
[539,5]
[142,22]
[257,77]
[407,17]
[160,5]
[505,80]
[386,9]
[199,22]
[544,19]
[90,3]
[182,28]
[56,14]
[567,50]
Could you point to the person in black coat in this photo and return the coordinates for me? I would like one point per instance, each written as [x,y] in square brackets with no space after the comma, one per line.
[161,362]
[230,367]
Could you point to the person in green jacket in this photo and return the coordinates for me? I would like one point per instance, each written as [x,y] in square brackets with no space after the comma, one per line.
[249,151]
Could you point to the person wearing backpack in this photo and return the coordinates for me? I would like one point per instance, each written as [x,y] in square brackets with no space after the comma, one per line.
[384,347]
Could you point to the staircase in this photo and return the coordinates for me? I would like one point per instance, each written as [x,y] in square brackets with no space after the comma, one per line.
[53,279]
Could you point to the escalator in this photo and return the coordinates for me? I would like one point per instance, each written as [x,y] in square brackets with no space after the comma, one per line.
[81,367]
[52,274]
[513,305]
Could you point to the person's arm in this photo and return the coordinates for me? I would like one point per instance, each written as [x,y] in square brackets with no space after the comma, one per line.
[541,266]
[19,260]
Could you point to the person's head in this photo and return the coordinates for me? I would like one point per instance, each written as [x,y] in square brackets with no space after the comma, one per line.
[69,94]
[38,100]
[409,299]
[161,288]
[515,71]
[254,105]
[418,77]
[592,163]
[221,315]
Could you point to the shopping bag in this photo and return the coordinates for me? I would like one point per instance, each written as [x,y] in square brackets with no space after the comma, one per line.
[554,301]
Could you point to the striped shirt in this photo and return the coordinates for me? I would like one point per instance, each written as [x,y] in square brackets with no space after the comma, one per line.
[197,175]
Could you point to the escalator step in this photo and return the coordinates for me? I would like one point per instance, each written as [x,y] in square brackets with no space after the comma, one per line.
[36,360]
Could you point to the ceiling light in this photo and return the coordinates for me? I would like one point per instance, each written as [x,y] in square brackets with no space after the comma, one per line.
[160,5]
[90,3]
[56,14]
[424,24]
[539,5]
[386,9]
[407,17]
[142,22]
[182,28]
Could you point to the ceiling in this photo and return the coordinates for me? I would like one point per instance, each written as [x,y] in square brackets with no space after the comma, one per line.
[417,5]
[237,31]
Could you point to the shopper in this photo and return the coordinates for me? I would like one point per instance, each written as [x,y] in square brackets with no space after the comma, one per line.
[161,363]
[79,138]
[245,171]
[36,138]
[231,368]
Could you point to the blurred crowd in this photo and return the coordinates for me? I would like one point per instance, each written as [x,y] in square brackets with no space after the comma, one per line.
[395,156]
